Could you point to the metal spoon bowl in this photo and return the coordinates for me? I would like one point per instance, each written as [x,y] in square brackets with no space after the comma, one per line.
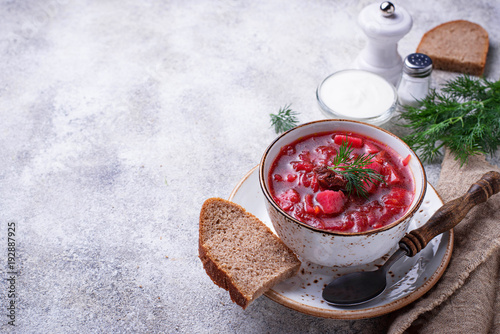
[362,286]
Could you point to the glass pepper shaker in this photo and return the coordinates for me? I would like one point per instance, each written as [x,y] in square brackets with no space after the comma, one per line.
[416,78]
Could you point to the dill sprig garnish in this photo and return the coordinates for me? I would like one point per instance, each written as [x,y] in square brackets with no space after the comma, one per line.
[285,120]
[465,117]
[353,169]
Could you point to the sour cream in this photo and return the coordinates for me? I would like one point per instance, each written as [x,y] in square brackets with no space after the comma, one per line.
[357,94]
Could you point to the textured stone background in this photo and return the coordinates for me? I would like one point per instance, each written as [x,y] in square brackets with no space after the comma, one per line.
[119,118]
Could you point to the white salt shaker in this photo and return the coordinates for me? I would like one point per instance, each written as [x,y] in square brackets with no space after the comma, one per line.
[384,26]
[416,79]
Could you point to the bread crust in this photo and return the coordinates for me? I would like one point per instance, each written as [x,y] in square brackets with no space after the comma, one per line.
[448,62]
[220,276]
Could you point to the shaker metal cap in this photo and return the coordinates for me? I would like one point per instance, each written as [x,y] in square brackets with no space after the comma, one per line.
[387,8]
[417,65]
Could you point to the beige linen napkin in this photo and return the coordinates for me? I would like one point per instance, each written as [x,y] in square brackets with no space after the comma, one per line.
[467,297]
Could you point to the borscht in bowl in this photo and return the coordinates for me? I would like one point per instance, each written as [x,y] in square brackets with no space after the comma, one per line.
[341,181]
[341,192]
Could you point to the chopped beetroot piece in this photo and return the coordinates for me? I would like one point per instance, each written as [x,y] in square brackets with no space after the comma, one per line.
[314,183]
[290,195]
[347,225]
[305,180]
[375,166]
[369,186]
[395,209]
[315,222]
[402,195]
[305,156]
[287,199]
[308,203]
[395,203]
[288,150]
[374,215]
[373,205]
[387,214]
[327,152]
[378,224]
[380,157]
[339,225]
[354,141]
[391,176]
[358,220]
[309,218]
[331,202]
[302,165]
[371,148]
[396,200]
[406,160]
[291,177]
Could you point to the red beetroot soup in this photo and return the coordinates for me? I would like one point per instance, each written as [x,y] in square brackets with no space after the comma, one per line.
[301,184]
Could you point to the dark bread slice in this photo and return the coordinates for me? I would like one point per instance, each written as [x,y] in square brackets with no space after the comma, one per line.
[240,253]
[457,46]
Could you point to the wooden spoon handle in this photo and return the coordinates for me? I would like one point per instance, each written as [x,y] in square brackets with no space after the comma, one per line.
[450,214]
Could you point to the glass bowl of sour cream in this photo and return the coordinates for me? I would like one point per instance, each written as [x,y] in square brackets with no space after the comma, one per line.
[357,95]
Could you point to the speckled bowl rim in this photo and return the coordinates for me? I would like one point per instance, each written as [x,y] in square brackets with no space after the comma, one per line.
[401,220]
[371,312]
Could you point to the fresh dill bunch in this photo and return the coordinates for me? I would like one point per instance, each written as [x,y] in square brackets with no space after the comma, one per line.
[352,168]
[285,120]
[465,117]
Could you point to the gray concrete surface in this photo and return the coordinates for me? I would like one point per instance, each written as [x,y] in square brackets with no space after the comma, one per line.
[119,118]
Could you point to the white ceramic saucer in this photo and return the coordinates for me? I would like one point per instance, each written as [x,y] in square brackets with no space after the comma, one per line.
[408,280]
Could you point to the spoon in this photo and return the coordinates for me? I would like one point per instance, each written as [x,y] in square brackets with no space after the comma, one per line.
[361,287]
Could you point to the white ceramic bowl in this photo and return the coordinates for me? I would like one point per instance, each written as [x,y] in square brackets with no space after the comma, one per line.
[332,248]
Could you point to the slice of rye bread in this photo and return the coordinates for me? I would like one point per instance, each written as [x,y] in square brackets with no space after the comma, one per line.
[456,46]
[240,253]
